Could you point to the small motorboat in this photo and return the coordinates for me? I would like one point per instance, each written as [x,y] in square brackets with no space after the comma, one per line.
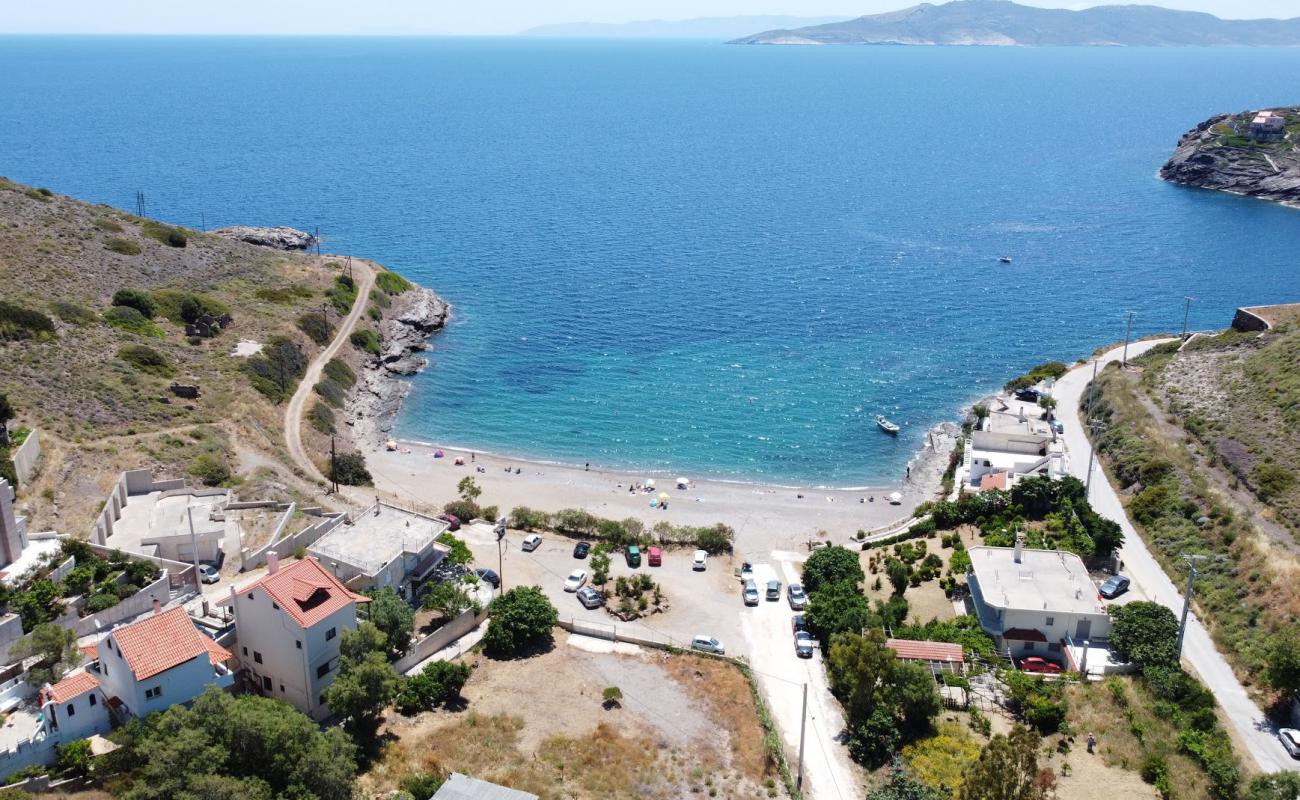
[886,425]
[1004,260]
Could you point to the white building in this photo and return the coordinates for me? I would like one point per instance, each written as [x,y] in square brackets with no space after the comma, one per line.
[383,546]
[287,626]
[1032,601]
[75,708]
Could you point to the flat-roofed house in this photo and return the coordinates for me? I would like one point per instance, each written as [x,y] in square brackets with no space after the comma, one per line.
[383,546]
[1268,126]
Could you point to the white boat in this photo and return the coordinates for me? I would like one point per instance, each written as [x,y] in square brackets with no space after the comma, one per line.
[886,425]
[1005,259]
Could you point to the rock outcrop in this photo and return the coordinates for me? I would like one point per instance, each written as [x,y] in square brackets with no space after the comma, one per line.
[278,238]
[414,316]
[1221,154]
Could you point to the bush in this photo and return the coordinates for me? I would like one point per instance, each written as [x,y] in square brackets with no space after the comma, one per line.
[331,392]
[1271,480]
[1051,369]
[275,371]
[125,247]
[342,294]
[168,235]
[132,321]
[350,470]
[520,618]
[73,313]
[392,283]
[460,552]
[283,295]
[107,225]
[210,468]
[317,327]
[526,519]
[339,372]
[830,566]
[101,601]
[181,306]
[464,510]
[134,298]
[367,340]
[437,684]
[147,359]
[421,785]
[321,418]
[74,758]
[17,323]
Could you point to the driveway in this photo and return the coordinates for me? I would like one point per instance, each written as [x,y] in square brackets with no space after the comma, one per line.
[1151,582]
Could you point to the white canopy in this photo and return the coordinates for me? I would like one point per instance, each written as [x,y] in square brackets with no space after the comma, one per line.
[682,483]
[650,482]
[895,497]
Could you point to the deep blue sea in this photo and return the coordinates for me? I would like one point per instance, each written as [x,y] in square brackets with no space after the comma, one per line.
[692,257]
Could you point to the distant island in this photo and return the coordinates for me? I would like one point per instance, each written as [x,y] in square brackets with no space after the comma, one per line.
[1254,153]
[1003,23]
[717,28]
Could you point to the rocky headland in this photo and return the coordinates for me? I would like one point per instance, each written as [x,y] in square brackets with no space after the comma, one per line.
[1233,153]
[277,238]
[405,328]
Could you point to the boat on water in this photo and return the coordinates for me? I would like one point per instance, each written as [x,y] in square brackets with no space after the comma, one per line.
[1005,259]
[886,425]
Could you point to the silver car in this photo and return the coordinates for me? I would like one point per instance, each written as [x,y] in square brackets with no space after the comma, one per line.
[1290,738]
[798,600]
[750,593]
[803,644]
[708,644]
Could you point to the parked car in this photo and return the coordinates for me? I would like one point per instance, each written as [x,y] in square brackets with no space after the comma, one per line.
[708,644]
[798,623]
[581,549]
[1057,426]
[453,521]
[750,593]
[208,574]
[654,556]
[575,580]
[488,576]
[590,598]
[700,561]
[1290,738]
[633,556]
[1028,395]
[773,590]
[803,644]
[1039,665]
[531,542]
[795,594]
[1114,586]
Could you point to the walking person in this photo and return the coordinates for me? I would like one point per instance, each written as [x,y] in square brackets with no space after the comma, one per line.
[1092,743]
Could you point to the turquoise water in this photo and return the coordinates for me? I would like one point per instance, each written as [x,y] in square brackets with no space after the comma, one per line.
[692,257]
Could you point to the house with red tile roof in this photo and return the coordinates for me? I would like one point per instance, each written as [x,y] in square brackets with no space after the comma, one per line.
[159,661]
[938,656]
[75,707]
[287,626]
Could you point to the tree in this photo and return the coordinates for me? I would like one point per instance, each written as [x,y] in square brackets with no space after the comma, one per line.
[887,701]
[134,298]
[898,574]
[350,469]
[438,683]
[468,489]
[829,566]
[981,411]
[903,786]
[840,608]
[449,599]
[392,616]
[361,692]
[915,697]
[356,643]
[7,413]
[1277,786]
[1048,404]
[1145,633]
[55,646]
[1007,769]
[600,565]
[460,552]
[521,617]
[1283,666]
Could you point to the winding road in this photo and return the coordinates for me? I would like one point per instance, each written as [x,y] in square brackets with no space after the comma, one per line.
[364,275]
[1151,582]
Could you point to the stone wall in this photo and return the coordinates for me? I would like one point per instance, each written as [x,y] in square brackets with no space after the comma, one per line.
[1246,320]
[453,630]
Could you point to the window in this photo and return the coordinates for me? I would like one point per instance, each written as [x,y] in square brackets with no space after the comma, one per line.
[1051,621]
[323,670]
[250,595]
[282,688]
[298,642]
[257,657]
[274,606]
[331,633]
[266,683]
[150,694]
[92,700]
[72,710]
[1053,647]
[245,651]
[1029,647]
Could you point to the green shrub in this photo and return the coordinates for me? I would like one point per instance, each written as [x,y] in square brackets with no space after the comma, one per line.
[72,313]
[380,299]
[464,510]
[421,785]
[1271,480]
[321,417]
[342,294]
[132,321]
[438,683]
[101,601]
[18,323]
[147,359]
[367,340]
[330,392]
[107,225]
[338,371]
[526,519]
[276,370]
[168,235]
[317,327]
[41,194]
[519,618]
[181,306]
[350,470]
[1052,369]
[125,247]
[139,300]
[210,468]
[392,283]
[283,295]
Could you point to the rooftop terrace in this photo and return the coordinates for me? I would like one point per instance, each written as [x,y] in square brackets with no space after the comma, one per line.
[1042,580]
[377,536]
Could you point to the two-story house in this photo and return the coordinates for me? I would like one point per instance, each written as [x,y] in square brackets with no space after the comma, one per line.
[287,626]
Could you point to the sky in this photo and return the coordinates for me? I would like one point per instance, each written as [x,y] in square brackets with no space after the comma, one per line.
[477,17]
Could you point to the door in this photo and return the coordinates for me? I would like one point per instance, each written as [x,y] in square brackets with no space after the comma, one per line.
[1083,629]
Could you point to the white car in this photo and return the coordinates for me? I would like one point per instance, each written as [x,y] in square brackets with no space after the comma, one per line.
[701,561]
[1290,738]
[531,542]
[207,574]
[708,644]
[575,580]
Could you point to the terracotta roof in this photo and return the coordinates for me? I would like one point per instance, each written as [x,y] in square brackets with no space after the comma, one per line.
[74,685]
[926,651]
[306,591]
[1024,635]
[993,480]
[90,651]
[162,641]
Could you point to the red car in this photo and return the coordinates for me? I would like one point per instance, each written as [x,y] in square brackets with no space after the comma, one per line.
[453,522]
[1039,665]
[655,556]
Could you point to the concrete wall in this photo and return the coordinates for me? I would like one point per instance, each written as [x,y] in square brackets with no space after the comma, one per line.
[460,625]
[27,458]
[1019,443]
[252,559]
[133,606]
[136,481]
[180,575]
[11,630]
[1246,320]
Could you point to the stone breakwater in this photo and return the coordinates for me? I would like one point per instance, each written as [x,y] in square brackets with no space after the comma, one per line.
[1219,154]
[405,328]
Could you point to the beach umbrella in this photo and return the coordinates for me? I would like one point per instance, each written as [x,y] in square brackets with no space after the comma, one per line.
[683,483]
[663,495]
[895,497]
[650,482]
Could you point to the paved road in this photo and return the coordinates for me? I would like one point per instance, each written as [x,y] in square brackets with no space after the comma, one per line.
[1151,582]
[365,278]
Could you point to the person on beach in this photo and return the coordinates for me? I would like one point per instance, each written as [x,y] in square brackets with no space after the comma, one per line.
[587,468]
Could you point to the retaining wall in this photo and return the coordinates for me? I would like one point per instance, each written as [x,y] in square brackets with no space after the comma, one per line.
[133,606]
[27,457]
[252,559]
[453,630]
[1246,320]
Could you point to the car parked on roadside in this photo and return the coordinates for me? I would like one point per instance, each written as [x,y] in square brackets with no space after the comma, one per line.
[1039,665]
[633,556]
[700,561]
[708,644]
[581,549]
[1057,427]
[803,644]
[453,521]
[654,556]
[208,574]
[1290,739]
[590,598]
[773,590]
[798,623]
[488,576]
[575,580]
[795,594]
[1028,395]
[1114,586]
[531,542]
[750,593]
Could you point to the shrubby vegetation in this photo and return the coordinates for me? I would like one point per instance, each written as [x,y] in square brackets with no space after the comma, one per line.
[367,340]
[342,294]
[392,283]
[131,320]
[437,684]
[350,469]
[18,323]
[275,371]
[316,326]
[1051,369]
[520,619]
[283,295]
[321,418]
[579,524]
[122,246]
[181,306]
[167,234]
[72,313]
[147,359]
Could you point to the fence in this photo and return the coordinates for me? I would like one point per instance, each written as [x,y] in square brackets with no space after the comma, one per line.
[460,625]
[26,457]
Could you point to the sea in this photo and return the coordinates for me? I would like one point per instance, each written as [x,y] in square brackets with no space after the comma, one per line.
[685,257]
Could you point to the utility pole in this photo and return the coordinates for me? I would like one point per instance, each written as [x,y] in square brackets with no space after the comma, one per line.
[803,725]
[334,472]
[317,241]
[1128,332]
[194,543]
[1187,307]
[501,538]
[1096,426]
[1187,596]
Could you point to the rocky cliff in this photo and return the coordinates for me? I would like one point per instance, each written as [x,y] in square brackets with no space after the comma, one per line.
[415,315]
[1221,154]
[277,238]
